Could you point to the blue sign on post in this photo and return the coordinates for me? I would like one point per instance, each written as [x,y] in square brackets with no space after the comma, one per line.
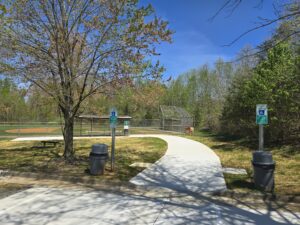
[261,114]
[113,118]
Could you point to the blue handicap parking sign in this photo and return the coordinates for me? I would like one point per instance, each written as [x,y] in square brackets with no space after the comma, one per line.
[261,114]
[113,112]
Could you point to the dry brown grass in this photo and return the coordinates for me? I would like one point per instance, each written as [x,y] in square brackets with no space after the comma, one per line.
[7,189]
[27,157]
[238,154]
[32,130]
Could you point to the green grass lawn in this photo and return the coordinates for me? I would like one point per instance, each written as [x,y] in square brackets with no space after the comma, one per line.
[237,153]
[138,130]
[25,157]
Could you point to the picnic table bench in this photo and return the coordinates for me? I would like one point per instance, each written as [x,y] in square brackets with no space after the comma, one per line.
[53,142]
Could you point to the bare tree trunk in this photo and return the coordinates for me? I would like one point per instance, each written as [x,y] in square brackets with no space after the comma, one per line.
[68,137]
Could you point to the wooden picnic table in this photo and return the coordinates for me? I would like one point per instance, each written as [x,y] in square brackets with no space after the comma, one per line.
[53,142]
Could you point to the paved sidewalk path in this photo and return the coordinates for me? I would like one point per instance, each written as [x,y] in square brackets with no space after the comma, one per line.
[188,166]
[57,206]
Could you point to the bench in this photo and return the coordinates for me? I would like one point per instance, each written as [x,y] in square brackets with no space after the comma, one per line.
[53,142]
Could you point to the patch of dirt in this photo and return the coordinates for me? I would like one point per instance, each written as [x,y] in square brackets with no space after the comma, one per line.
[12,184]
[32,130]
[7,189]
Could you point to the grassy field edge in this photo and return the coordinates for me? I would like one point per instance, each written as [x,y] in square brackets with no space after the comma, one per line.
[237,153]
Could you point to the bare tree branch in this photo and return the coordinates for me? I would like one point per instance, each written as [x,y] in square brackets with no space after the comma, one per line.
[224,6]
[261,26]
[267,48]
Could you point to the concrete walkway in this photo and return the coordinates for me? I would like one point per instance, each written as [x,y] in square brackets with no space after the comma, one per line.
[53,206]
[188,166]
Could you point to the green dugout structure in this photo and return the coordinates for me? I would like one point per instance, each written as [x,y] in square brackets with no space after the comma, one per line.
[93,125]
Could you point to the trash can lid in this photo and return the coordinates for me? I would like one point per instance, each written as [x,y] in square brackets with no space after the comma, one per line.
[100,149]
[262,157]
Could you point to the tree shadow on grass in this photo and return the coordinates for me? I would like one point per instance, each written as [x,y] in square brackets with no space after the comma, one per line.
[239,181]
[228,142]
[225,147]
[49,163]
[286,149]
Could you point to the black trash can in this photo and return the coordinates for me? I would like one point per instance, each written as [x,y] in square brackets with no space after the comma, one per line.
[126,132]
[126,128]
[263,168]
[98,158]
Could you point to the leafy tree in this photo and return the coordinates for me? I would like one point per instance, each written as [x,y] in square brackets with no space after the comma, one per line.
[12,103]
[147,97]
[201,91]
[274,82]
[42,108]
[177,94]
[139,99]
[74,49]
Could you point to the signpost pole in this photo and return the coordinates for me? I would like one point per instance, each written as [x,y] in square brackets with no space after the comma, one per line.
[261,138]
[113,141]
[262,162]
[261,119]
[113,123]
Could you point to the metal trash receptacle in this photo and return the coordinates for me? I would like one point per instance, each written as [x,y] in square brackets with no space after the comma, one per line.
[126,132]
[263,168]
[98,158]
[126,128]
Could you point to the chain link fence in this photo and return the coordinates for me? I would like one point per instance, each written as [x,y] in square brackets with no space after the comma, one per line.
[86,128]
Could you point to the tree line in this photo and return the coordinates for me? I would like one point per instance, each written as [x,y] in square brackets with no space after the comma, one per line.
[221,97]
[76,57]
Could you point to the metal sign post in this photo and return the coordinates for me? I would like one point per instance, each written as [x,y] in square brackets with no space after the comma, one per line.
[113,141]
[261,138]
[113,123]
[261,120]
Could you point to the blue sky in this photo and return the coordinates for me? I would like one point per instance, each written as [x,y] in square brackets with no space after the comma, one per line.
[198,41]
